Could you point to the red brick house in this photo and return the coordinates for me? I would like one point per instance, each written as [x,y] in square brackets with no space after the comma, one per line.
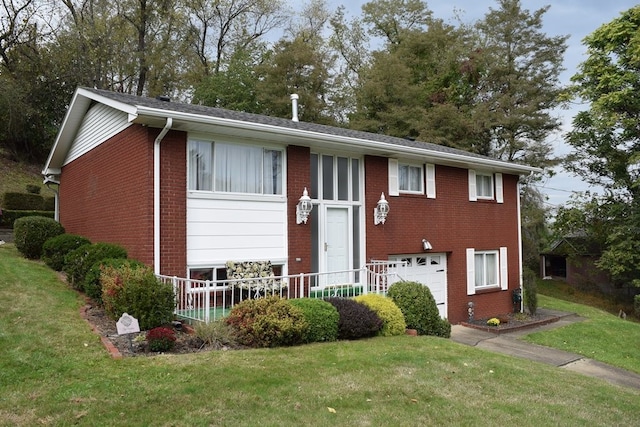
[186,188]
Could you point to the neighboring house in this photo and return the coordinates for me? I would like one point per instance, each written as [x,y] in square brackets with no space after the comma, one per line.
[573,260]
[186,188]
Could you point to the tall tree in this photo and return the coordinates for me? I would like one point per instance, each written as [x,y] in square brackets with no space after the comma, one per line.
[301,63]
[606,138]
[521,85]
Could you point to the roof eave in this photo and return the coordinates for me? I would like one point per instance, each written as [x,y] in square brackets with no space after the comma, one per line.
[373,147]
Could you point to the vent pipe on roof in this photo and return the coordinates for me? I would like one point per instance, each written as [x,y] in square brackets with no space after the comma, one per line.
[294,107]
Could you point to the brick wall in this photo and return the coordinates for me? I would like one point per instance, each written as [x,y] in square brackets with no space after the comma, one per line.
[298,177]
[107,196]
[451,223]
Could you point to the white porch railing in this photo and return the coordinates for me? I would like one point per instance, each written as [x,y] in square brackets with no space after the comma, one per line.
[208,300]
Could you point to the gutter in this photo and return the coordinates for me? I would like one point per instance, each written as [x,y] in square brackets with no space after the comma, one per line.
[384,148]
[156,195]
[48,180]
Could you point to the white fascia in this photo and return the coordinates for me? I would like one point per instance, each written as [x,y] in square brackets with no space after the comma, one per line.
[383,148]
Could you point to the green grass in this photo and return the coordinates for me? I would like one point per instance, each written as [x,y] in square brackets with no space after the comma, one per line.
[16,176]
[602,336]
[55,371]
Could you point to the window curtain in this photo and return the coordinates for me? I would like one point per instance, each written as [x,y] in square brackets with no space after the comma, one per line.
[200,166]
[272,172]
[238,169]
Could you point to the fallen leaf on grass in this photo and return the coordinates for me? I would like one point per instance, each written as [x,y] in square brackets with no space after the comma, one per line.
[333,411]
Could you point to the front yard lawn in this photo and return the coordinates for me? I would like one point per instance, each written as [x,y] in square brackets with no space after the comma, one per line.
[55,371]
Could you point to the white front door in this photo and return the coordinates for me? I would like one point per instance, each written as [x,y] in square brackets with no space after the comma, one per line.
[336,243]
[430,270]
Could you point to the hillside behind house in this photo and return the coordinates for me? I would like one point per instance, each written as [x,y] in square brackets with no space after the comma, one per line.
[14,176]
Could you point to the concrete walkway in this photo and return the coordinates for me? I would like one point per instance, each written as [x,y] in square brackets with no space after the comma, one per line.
[511,344]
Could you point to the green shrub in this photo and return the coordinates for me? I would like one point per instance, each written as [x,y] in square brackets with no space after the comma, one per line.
[393,322]
[78,262]
[356,319]
[217,334]
[9,217]
[636,306]
[530,296]
[49,203]
[419,308]
[161,339]
[92,285]
[22,202]
[137,291]
[56,248]
[267,322]
[30,233]
[33,188]
[322,318]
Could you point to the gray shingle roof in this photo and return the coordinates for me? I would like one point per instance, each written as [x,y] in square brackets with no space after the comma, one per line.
[134,100]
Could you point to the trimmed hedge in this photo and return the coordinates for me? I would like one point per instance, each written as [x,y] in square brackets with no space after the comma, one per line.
[56,248]
[30,234]
[9,217]
[92,283]
[388,311]
[268,322]
[322,318]
[356,319]
[23,202]
[419,308]
[139,293]
[78,262]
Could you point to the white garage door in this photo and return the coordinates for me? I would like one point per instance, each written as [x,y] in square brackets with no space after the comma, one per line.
[430,270]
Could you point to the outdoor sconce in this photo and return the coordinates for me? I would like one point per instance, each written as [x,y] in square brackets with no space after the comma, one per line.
[381,211]
[426,246]
[303,208]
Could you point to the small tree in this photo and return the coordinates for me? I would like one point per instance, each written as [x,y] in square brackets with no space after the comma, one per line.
[530,290]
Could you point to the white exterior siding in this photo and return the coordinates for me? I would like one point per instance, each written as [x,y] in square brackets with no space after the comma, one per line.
[99,124]
[221,230]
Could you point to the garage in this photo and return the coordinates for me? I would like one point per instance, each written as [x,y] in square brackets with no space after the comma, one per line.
[430,270]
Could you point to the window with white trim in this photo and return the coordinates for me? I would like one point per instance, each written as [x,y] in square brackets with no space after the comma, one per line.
[410,178]
[234,168]
[485,186]
[487,269]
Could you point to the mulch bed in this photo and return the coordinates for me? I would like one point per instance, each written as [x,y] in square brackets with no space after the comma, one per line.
[512,322]
[126,345]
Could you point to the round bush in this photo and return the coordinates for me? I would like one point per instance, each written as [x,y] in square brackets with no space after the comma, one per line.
[267,322]
[322,318]
[31,232]
[161,339]
[92,283]
[419,308]
[56,248]
[356,319]
[137,291]
[393,322]
[78,262]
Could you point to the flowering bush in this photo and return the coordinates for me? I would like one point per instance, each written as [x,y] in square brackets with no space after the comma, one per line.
[493,322]
[161,339]
[253,275]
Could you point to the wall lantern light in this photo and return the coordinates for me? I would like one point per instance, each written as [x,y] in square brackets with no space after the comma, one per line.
[303,208]
[381,211]
[426,245]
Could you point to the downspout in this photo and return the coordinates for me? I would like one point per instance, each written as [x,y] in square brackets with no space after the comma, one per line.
[520,247]
[156,195]
[56,194]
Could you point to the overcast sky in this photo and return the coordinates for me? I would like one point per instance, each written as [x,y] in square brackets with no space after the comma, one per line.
[576,18]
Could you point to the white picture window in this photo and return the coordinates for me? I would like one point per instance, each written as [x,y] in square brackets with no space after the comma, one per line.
[234,168]
[410,178]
